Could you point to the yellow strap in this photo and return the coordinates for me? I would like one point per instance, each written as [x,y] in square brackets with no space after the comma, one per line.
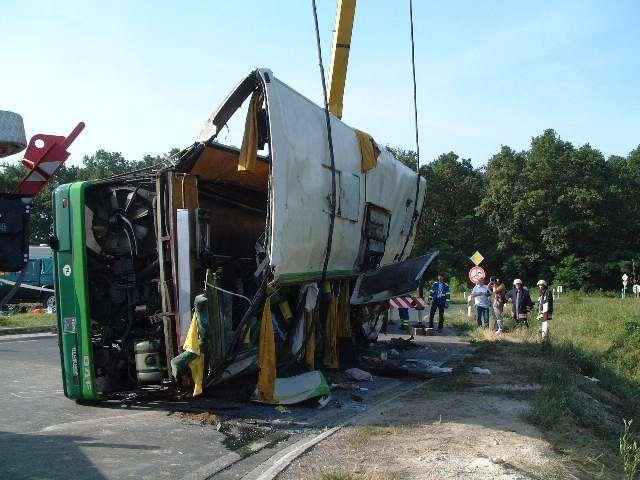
[197,374]
[310,347]
[192,344]
[368,150]
[249,149]
[344,312]
[331,338]
[267,358]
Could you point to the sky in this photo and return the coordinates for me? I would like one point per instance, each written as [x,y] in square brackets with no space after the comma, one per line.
[145,75]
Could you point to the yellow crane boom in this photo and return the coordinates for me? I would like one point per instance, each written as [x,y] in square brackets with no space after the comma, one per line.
[340,54]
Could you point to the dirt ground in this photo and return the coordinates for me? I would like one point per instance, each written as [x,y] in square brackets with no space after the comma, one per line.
[466,430]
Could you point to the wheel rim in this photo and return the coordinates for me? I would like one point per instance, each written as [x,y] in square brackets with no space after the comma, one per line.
[51,303]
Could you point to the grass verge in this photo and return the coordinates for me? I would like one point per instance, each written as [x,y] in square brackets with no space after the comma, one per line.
[587,380]
[27,320]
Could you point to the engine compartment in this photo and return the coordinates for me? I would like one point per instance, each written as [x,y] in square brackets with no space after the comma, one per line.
[135,245]
[122,272]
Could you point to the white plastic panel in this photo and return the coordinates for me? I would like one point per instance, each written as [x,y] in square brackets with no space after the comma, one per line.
[301,185]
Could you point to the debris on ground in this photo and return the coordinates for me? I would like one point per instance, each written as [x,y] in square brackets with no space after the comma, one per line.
[481,371]
[356,398]
[405,358]
[203,418]
[400,343]
[343,386]
[435,370]
[359,375]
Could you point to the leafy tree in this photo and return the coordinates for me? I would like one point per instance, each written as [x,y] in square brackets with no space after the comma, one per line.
[406,156]
[506,211]
[571,273]
[448,222]
[553,210]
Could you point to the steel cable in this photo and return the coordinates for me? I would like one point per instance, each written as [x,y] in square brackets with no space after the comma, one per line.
[327,253]
[415,215]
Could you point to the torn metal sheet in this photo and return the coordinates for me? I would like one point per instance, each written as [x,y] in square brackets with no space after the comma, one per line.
[391,281]
[299,388]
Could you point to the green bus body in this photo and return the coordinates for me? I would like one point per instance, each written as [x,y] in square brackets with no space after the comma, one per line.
[74,323]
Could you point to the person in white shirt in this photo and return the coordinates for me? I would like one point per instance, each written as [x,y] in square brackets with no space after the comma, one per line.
[545,308]
[481,294]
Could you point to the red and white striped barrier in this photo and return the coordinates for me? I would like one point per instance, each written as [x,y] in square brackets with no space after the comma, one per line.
[408,302]
[44,157]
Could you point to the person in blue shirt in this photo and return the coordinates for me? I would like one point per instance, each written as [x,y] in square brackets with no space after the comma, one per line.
[440,296]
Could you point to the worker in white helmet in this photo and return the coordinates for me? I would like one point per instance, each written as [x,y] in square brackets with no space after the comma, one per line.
[545,308]
[521,303]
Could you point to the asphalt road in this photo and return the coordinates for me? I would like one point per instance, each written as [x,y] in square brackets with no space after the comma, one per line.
[45,435]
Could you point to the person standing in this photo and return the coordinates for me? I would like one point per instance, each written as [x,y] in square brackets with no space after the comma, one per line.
[403,313]
[545,307]
[521,303]
[481,294]
[499,299]
[440,296]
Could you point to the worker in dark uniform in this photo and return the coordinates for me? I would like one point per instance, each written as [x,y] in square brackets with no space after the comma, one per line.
[440,296]
[521,303]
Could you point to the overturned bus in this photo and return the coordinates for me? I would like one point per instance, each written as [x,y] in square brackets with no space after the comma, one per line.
[220,264]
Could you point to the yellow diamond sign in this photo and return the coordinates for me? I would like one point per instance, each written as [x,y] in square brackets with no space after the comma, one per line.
[477,258]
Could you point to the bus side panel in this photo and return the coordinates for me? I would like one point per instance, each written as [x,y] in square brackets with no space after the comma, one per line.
[71,293]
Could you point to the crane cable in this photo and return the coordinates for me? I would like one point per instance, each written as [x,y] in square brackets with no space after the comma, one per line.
[415,215]
[327,253]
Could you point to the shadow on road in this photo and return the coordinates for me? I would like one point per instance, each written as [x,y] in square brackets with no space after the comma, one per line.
[34,456]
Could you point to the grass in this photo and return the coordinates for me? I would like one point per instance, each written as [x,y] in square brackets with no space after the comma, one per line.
[630,452]
[594,337]
[27,320]
[341,474]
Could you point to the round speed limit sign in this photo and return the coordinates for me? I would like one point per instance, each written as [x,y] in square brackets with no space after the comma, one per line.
[476,274]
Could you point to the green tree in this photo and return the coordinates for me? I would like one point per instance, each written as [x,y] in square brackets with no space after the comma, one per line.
[448,221]
[406,156]
[555,206]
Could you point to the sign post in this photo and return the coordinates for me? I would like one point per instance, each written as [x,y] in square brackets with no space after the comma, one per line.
[636,290]
[625,279]
[559,290]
